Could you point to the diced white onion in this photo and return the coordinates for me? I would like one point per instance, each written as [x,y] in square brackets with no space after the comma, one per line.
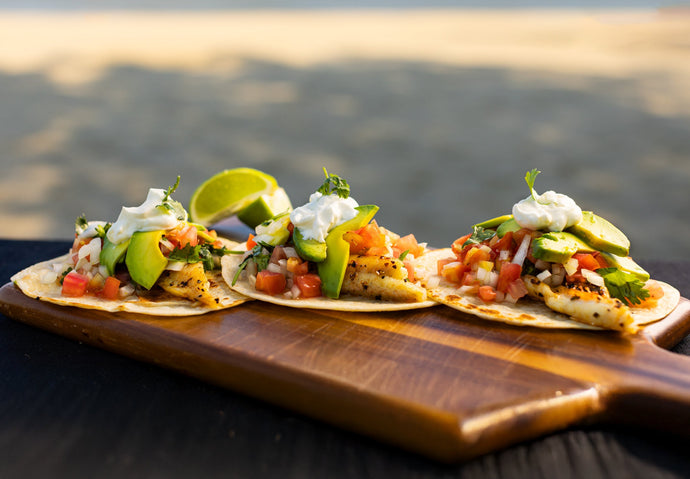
[290,252]
[510,299]
[175,265]
[274,268]
[451,265]
[571,266]
[543,275]
[504,254]
[433,281]
[48,276]
[500,297]
[541,265]
[521,253]
[593,277]
[295,291]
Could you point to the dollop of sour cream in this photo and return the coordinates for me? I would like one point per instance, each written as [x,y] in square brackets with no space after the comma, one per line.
[316,218]
[145,217]
[550,211]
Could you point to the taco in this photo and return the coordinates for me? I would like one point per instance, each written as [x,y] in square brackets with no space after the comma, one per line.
[551,265]
[152,260]
[329,254]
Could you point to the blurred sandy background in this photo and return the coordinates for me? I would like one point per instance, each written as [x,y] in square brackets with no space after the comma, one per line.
[435,115]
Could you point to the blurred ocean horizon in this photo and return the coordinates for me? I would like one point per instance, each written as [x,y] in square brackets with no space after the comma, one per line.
[435,117]
[200,5]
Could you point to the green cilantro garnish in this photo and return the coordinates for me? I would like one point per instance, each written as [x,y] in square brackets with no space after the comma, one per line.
[81,224]
[204,253]
[334,184]
[169,204]
[530,177]
[623,286]
[257,255]
[102,230]
[403,255]
[61,279]
[479,235]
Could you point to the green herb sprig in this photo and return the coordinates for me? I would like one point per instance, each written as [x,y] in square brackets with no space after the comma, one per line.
[334,184]
[530,177]
[623,286]
[260,254]
[479,235]
[170,205]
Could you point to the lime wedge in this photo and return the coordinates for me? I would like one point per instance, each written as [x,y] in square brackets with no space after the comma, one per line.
[227,193]
[265,207]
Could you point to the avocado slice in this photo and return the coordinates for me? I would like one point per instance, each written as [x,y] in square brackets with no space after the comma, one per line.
[506,226]
[558,246]
[144,259]
[600,234]
[309,249]
[112,254]
[494,222]
[332,269]
[625,263]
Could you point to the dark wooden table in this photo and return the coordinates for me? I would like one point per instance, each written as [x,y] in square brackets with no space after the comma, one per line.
[71,410]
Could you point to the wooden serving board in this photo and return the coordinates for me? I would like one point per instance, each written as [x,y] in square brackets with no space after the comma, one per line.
[434,381]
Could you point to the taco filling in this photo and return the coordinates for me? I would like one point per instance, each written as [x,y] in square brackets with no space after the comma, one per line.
[151,260]
[329,252]
[549,252]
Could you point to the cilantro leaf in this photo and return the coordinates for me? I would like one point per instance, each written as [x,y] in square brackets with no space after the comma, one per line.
[623,286]
[479,235]
[204,253]
[81,224]
[170,205]
[334,184]
[403,255]
[530,177]
[257,255]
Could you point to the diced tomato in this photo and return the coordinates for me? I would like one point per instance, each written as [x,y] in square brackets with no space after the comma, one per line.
[111,288]
[487,293]
[442,262]
[454,272]
[74,284]
[250,242]
[296,266]
[587,261]
[469,279]
[517,289]
[600,259]
[409,264]
[505,243]
[270,282]
[457,244]
[309,285]
[183,235]
[407,243]
[369,240]
[508,273]
[476,254]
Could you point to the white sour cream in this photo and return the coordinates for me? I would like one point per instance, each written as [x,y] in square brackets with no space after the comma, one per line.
[145,217]
[551,211]
[321,214]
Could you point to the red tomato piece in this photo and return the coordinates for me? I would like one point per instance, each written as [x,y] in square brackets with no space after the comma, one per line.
[297,266]
[457,244]
[587,261]
[111,288]
[487,293]
[407,243]
[505,243]
[183,235]
[517,289]
[600,259]
[270,282]
[441,263]
[357,245]
[309,285]
[509,273]
[250,242]
[74,284]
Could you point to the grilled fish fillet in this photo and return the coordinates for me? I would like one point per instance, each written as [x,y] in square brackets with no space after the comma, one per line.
[584,306]
[190,283]
[381,278]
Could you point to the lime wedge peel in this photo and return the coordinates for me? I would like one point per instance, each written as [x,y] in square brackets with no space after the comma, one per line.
[228,193]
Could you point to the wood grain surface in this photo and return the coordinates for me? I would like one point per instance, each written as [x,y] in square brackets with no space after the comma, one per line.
[433,381]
